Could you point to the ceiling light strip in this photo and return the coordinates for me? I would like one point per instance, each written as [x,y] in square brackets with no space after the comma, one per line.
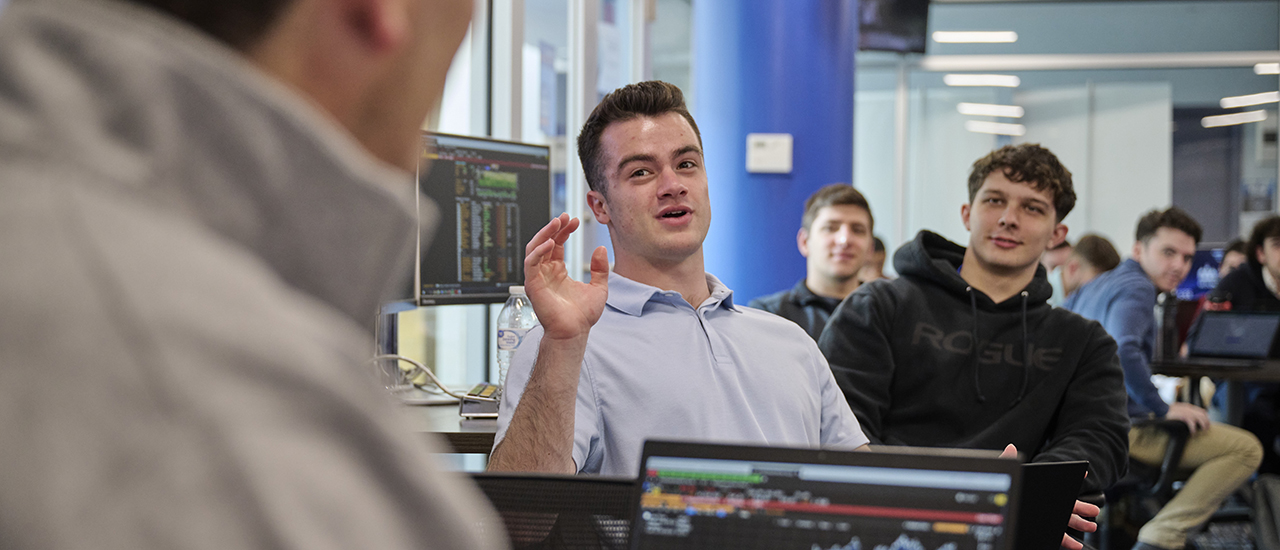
[987,109]
[999,128]
[1000,80]
[1249,100]
[1233,118]
[975,37]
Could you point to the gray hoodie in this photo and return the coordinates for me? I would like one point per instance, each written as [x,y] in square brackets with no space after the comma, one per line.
[190,257]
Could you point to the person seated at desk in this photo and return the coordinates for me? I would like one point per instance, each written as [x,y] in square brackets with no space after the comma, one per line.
[835,239]
[1124,300]
[962,349]
[1253,287]
[657,348]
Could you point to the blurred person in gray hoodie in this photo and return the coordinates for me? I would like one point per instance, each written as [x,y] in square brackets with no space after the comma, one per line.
[201,205]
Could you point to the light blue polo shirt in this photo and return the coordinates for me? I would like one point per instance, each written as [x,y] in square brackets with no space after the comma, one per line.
[656,368]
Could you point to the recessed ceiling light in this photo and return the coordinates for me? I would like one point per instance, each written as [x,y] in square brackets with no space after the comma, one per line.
[975,37]
[1233,118]
[1249,100]
[987,109]
[1002,80]
[1000,128]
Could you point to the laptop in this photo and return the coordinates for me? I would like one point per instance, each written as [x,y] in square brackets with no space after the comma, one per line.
[698,495]
[1049,491]
[1233,338]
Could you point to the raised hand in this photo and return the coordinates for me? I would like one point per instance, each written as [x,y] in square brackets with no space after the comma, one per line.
[566,308]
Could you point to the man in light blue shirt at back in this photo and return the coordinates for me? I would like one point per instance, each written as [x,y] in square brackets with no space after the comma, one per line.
[669,354]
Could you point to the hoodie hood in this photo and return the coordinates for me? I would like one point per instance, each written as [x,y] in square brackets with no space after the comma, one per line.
[937,260]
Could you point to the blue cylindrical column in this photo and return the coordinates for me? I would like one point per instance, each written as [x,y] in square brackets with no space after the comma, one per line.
[770,66]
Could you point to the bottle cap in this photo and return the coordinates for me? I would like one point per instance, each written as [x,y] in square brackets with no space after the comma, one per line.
[517,289]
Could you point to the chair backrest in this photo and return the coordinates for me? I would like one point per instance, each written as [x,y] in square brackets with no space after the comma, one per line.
[562,511]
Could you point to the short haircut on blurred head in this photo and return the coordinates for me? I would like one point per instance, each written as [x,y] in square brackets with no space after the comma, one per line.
[239,23]
[1173,218]
[836,194]
[1097,251]
[1264,229]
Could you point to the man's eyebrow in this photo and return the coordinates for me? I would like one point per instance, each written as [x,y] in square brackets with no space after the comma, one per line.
[635,158]
[686,150]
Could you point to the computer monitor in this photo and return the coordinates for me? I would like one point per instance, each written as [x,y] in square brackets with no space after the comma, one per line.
[1203,276]
[709,496]
[493,196]
[893,25]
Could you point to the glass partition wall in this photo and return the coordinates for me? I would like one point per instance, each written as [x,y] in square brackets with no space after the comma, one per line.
[1116,89]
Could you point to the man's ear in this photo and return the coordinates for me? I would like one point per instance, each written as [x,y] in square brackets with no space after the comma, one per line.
[1059,235]
[1071,267]
[380,25]
[1137,249]
[964,216]
[599,206]
[1262,258]
[802,241]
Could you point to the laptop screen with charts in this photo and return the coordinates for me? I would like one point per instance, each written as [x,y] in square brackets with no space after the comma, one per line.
[1233,334]
[730,497]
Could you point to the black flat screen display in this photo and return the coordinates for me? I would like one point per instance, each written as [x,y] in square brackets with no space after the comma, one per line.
[493,196]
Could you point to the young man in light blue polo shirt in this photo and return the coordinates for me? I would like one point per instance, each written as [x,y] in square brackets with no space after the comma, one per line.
[657,348]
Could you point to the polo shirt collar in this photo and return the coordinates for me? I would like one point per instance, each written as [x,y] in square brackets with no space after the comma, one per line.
[630,297]
[803,296]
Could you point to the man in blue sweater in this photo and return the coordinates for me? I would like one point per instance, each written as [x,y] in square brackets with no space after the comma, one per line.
[1123,300]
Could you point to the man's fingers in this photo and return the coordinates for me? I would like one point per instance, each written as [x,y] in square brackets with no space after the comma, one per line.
[600,267]
[1073,544]
[563,235]
[1009,451]
[1084,509]
[1080,524]
[536,255]
[547,232]
[569,227]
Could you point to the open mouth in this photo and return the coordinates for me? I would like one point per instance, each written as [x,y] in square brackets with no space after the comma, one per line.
[674,214]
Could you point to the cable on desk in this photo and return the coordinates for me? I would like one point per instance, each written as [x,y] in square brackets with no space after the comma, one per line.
[417,380]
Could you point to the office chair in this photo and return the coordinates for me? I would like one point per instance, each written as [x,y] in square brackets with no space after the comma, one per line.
[1137,497]
[562,512]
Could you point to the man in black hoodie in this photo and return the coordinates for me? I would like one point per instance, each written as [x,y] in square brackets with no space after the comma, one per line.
[962,350]
[1253,287]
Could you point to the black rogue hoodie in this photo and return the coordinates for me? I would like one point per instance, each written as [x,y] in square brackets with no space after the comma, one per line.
[1042,378]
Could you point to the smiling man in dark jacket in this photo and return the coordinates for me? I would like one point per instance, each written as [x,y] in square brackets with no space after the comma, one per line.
[963,351]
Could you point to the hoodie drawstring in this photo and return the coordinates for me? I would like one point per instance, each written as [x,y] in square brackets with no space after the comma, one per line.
[1026,350]
[973,357]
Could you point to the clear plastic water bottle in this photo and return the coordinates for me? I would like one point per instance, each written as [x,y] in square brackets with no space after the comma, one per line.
[514,321]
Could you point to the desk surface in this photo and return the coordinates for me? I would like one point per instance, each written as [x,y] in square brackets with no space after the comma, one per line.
[1269,371]
[465,435]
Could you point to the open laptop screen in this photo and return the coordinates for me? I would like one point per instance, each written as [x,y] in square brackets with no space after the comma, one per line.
[1233,334]
[714,496]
